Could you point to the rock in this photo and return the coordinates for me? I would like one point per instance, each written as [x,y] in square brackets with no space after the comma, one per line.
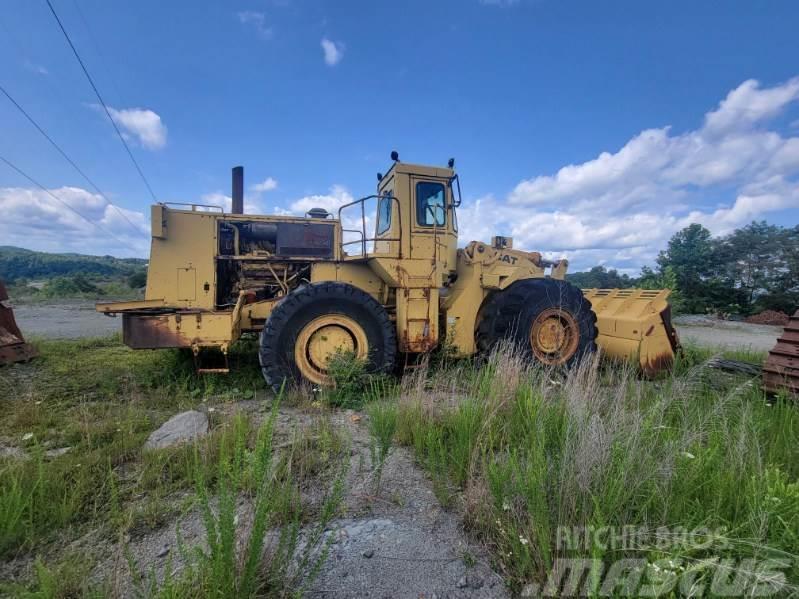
[54,453]
[14,453]
[368,553]
[164,551]
[475,582]
[182,427]
[462,582]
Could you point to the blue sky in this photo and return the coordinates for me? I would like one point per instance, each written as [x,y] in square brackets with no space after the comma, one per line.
[587,130]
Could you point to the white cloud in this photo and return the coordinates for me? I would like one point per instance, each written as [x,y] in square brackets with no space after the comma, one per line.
[257,20]
[727,172]
[333,51]
[144,125]
[268,184]
[36,68]
[251,205]
[337,196]
[34,220]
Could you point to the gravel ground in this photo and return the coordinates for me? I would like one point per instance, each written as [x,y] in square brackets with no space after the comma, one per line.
[68,319]
[710,332]
[401,544]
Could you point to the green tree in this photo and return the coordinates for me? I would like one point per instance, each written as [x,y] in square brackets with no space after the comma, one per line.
[691,257]
[599,277]
[138,279]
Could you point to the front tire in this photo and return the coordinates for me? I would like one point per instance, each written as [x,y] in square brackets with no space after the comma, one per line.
[547,319]
[315,321]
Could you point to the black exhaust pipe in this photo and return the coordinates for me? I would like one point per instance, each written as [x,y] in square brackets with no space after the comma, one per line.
[238,190]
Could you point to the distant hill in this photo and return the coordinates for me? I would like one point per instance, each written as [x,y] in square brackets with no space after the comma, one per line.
[18,263]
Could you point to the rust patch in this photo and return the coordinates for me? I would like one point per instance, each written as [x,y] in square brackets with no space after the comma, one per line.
[150,332]
[12,345]
[653,366]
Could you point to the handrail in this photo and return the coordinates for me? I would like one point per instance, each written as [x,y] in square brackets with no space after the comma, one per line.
[363,240]
[194,206]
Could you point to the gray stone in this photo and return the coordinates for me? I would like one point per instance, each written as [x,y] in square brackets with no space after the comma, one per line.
[164,551]
[54,453]
[463,583]
[186,426]
[368,553]
[14,453]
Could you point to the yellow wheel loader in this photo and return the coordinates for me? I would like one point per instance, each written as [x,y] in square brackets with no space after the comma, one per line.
[384,278]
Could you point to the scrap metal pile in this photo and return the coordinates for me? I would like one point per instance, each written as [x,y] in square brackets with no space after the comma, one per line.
[781,370]
[12,345]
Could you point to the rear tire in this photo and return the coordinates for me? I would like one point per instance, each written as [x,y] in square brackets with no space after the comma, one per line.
[547,319]
[314,321]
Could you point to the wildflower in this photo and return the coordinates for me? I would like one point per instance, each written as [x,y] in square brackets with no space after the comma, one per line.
[523,540]
[27,436]
[505,505]
[38,403]
[212,409]
[688,455]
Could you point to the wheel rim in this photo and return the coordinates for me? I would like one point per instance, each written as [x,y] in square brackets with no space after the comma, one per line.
[554,336]
[322,338]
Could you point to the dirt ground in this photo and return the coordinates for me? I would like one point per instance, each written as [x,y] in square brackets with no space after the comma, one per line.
[710,332]
[402,543]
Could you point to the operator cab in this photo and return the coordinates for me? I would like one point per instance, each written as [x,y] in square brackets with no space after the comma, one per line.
[414,215]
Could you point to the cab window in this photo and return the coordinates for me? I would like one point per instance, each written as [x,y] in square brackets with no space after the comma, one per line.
[430,204]
[384,213]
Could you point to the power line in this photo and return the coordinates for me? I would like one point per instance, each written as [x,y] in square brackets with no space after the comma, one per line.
[59,200]
[109,74]
[68,159]
[102,102]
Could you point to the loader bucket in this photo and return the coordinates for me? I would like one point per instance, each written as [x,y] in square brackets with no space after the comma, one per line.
[12,346]
[635,325]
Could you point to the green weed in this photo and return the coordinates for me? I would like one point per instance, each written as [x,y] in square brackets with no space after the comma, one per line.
[382,428]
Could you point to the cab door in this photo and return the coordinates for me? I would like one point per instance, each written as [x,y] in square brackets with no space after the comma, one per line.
[434,227]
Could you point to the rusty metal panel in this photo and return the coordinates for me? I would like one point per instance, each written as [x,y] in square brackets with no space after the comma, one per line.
[12,345]
[151,332]
[781,369]
[305,239]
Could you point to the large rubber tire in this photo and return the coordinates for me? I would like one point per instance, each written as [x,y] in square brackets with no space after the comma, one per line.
[305,305]
[512,313]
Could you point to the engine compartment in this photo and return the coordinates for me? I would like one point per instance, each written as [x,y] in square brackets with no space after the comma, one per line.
[268,258]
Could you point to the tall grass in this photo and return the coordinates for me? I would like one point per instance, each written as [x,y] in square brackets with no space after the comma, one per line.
[382,428]
[536,452]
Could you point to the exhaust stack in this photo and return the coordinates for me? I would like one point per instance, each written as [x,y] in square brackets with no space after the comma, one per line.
[238,190]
